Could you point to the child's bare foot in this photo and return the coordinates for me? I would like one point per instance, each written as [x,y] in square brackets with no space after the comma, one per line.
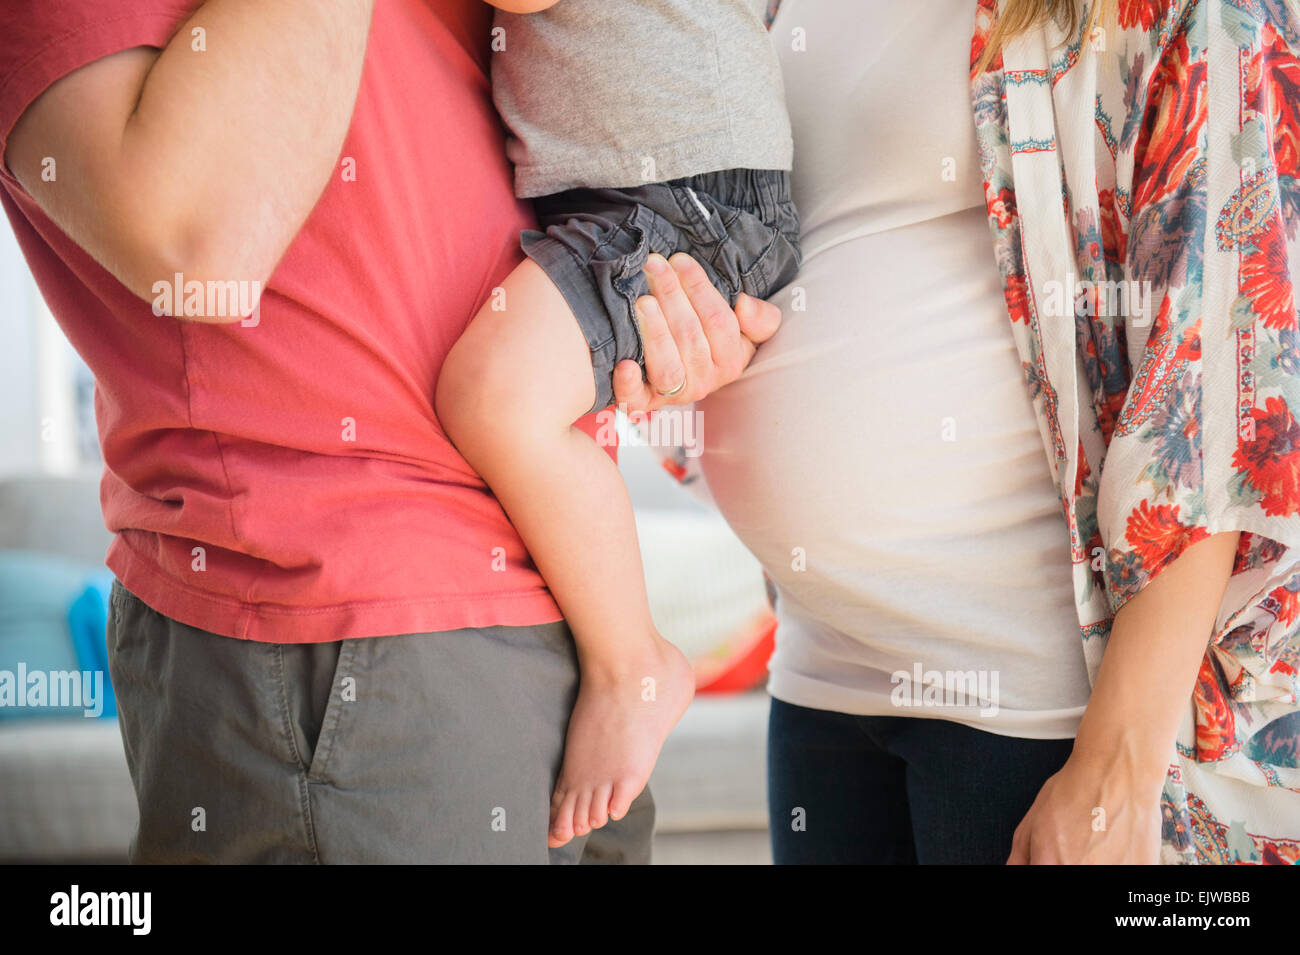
[619,724]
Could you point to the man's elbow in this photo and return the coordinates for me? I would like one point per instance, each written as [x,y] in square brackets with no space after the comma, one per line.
[188,273]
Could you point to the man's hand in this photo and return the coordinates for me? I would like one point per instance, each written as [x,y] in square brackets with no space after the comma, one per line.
[694,343]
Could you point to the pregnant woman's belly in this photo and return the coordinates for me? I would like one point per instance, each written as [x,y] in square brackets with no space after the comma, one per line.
[882,459]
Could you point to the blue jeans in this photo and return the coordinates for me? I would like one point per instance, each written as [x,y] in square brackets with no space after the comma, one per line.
[898,790]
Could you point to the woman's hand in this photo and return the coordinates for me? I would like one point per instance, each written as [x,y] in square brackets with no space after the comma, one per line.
[1091,813]
[694,343]
[1104,804]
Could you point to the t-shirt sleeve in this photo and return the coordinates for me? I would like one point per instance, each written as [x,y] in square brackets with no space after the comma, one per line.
[44,40]
[1208,439]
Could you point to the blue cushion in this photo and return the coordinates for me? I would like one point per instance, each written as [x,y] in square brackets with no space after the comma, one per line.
[37,593]
[88,623]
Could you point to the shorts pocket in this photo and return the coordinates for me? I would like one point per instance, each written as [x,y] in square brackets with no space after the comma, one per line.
[129,618]
[343,698]
[774,268]
[754,256]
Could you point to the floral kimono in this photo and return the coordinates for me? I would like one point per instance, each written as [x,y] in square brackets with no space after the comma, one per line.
[1143,189]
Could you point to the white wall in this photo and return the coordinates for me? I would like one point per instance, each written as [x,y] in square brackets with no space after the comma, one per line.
[38,407]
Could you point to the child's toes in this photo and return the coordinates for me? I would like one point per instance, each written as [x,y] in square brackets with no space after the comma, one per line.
[561,830]
[599,814]
[581,813]
[620,799]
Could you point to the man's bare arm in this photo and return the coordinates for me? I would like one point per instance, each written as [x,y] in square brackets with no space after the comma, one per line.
[202,161]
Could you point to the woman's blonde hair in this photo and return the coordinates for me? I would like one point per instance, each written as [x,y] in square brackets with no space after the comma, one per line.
[1021,16]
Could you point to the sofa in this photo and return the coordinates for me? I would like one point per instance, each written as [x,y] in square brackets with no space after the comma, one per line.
[65,795]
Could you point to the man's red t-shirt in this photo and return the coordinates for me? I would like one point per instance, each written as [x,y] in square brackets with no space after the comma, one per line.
[288,481]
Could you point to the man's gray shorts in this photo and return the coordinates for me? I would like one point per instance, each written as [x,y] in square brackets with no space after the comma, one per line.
[421,748]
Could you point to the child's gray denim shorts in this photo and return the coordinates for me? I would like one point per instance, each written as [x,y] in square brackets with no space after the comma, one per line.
[740,224]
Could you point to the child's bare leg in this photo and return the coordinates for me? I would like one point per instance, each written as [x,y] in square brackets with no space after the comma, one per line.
[508,395]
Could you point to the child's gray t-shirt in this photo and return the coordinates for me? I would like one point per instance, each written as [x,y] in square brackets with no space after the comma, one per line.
[620,93]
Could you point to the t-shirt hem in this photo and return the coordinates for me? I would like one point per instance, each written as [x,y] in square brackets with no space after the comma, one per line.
[69,52]
[799,690]
[603,172]
[277,623]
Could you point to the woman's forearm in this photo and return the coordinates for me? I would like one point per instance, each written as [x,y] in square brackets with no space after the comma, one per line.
[1126,738]
[1145,682]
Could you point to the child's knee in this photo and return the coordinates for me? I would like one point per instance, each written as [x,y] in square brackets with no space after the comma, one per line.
[469,390]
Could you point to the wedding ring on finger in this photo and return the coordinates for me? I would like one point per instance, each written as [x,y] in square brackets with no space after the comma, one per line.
[675,391]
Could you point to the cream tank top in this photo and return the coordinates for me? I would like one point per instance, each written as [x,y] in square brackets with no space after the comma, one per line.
[880,456]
